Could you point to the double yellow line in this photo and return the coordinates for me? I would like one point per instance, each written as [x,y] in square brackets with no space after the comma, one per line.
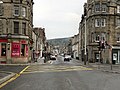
[14,77]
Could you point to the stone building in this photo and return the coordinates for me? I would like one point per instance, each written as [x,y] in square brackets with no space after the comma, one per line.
[16,24]
[101,20]
[39,40]
[75,45]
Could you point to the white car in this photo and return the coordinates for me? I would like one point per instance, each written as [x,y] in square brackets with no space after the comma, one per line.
[67,58]
[52,57]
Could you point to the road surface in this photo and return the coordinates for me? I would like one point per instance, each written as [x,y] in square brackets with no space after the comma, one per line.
[60,75]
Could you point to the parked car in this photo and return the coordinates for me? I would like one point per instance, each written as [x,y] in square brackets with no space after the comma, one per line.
[67,58]
[52,57]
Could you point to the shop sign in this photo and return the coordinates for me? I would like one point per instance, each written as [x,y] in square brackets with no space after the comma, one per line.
[3,40]
[23,42]
[15,49]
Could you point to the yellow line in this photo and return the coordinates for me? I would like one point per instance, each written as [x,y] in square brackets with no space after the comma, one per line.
[24,69]
[13,78]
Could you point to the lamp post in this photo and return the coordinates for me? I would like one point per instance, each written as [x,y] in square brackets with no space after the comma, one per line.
[1,2]
[85,54]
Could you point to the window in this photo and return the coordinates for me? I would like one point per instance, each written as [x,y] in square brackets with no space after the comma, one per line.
[16,10]
[1,26]
[100,22]
[118,22]
[3,49]
[16,27]
[15,50]
[100,37]
[118,36]
[23,11]
[24,28]
[97,37]
[118,9]
[97,22]
[104,7]
[103,38]
[23,50]
[97,7]
[1,9]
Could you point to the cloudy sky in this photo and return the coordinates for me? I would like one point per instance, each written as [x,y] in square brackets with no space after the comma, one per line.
[60,18]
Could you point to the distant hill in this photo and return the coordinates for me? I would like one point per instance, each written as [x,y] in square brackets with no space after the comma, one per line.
[58,41]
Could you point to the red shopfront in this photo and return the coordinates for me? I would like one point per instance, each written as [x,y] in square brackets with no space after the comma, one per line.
[20,51]
[16,51]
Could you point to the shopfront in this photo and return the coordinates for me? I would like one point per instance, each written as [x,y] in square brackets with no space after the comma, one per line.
[14,51]
[116,55]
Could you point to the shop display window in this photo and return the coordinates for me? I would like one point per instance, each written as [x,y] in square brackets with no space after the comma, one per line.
[23,50]
[3,49]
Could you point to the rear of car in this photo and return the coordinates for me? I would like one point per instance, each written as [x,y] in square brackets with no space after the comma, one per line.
[67,58]
[52,57]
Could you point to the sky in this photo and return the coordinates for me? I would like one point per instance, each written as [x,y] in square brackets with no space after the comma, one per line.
[60,18]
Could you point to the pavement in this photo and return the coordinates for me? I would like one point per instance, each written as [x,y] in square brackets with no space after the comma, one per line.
[7,71]
[6,75]
[110,68]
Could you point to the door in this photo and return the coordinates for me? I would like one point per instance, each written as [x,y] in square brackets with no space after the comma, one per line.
[115,58]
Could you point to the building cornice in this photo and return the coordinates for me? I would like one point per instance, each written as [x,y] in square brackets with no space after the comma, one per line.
[14,36]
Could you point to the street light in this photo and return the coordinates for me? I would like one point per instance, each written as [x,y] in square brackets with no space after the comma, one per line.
[85,43]
[1,2]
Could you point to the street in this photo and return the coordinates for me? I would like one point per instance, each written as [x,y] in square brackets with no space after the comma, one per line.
[60,75]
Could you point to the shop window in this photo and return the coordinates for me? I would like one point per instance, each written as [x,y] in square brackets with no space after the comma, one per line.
[15,49]
[23,50]
[3,49]
[16,27]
